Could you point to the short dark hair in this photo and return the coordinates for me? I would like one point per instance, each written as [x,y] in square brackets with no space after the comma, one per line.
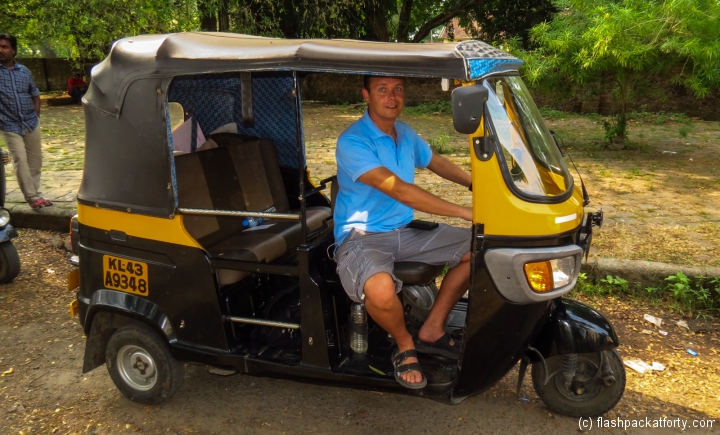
[11,39]
[367,77]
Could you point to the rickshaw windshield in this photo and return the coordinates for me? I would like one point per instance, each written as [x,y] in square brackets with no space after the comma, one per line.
[529,154]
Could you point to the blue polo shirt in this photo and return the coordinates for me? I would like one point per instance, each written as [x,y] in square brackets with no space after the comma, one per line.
[360,148]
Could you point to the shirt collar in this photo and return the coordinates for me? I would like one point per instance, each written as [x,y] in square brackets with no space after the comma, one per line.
[15,66]
[373,129]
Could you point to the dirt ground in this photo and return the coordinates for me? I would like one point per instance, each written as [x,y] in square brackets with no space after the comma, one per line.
[44,391]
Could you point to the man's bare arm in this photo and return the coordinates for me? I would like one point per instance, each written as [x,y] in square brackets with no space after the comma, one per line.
[412,196]
[36,104]
[449,170]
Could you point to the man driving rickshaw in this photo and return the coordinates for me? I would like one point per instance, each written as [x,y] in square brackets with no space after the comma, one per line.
[377,157]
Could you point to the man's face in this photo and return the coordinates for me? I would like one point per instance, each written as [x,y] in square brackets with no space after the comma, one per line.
[386,97]
[6,51]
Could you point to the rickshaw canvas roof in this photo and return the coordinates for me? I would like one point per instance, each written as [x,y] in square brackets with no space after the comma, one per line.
[195,53]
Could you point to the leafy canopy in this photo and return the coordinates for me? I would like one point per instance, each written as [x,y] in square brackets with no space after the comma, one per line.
[628,44]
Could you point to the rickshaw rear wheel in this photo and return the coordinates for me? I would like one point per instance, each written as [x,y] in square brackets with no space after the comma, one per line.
[9,262]
[141,365]
[597,397]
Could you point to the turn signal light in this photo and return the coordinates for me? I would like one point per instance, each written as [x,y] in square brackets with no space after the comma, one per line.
[540,276]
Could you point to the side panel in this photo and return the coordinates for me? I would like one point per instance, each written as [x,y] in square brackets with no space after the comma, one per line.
[127,158]
[181,286]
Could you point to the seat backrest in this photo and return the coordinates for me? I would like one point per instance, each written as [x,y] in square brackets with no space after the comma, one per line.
[238,175]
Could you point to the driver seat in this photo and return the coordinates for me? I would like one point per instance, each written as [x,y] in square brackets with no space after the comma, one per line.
[409,272]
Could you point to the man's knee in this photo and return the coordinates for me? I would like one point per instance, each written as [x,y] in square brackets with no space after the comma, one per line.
[380,290]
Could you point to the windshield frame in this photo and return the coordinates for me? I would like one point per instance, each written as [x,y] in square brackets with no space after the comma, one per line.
[490,130]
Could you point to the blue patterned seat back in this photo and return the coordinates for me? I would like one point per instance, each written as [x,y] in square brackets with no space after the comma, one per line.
[214,100]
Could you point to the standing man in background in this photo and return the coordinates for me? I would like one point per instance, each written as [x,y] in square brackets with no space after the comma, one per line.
[19,121]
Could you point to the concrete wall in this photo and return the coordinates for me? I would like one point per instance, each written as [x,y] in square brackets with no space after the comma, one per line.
[49,74]
[346,88]
[52,75]
[342,88]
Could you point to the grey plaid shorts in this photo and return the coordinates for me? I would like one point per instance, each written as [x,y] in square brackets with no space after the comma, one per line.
[364,254]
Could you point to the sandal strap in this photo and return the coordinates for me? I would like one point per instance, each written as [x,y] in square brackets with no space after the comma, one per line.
[404,368]
[402,356]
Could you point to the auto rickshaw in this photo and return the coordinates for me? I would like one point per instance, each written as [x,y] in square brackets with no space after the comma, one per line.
[217,251]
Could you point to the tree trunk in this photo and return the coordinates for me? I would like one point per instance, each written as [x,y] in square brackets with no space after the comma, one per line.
[376,17]
[208,22]
[404,21]
[224,17]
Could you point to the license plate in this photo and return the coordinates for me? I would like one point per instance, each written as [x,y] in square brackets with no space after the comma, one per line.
[126,275]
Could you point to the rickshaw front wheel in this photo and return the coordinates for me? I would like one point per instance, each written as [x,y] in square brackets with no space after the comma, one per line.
[592,392]
[141,365]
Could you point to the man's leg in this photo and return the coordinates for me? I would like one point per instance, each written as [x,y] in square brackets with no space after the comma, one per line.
[33,149]
[16,146]
[443,245]
[384,307]
[454,285]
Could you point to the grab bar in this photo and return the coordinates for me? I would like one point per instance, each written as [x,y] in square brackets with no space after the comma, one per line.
[255,214]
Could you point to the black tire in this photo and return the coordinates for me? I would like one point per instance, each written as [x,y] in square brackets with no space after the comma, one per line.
[141,365]
[597,398]
[9,262]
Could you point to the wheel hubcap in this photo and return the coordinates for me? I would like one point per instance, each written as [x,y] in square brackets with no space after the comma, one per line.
[137,367]
[580,392]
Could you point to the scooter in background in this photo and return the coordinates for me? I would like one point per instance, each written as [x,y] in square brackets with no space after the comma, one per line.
[9,259]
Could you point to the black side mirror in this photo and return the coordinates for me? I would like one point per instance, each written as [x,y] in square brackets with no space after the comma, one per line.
[467,104]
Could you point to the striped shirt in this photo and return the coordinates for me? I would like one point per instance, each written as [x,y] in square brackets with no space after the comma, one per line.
[17,89]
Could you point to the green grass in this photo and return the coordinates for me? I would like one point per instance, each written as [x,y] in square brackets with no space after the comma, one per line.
[699,296]
[433,108]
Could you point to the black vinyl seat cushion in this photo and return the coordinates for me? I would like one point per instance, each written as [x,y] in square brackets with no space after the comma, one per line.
[266,244]
[414,273]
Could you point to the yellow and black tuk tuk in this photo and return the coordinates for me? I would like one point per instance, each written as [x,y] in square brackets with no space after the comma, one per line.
[200,238]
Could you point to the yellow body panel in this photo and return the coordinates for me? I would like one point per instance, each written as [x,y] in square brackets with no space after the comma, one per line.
[504,214]
[73,279]
[146,227]
[73,308]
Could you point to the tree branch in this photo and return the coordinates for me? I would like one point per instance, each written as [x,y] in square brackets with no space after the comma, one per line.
[444,18]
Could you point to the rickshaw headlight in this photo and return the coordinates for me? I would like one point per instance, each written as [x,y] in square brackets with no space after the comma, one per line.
[4,217]
[544,276]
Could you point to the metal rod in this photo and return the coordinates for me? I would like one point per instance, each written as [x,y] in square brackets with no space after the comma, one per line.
[261,214]
[301,158]
[263,322]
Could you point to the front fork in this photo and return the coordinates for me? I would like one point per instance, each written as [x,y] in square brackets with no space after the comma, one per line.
[572,328]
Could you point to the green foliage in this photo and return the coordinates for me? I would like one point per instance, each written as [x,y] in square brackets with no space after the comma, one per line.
[698,296]
[441,144]
[615,282]
[615,129]
[625,46]
[84,30]
[437,107]
[550,113]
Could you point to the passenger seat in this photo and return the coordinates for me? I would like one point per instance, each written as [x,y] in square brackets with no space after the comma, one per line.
[242,174]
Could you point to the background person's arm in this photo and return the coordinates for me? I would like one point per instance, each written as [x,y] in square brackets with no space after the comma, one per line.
[36,104]
[414,197]
[449,170]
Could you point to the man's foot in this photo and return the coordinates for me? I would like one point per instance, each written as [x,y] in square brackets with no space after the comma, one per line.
[443,346]
[37,204]
[407,369]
